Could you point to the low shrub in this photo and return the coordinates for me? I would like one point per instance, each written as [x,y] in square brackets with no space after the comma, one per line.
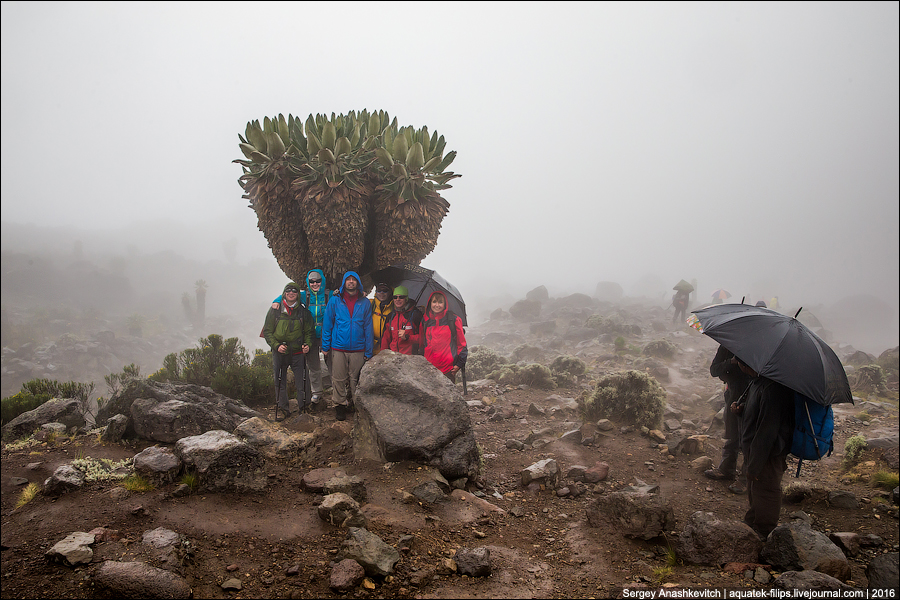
[885,480]
[628,397]
[853,449]
[482,361]
[660,349]
[38,391]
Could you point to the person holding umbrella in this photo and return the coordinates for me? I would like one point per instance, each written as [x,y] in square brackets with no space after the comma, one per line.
[401,333]
[767,430]
[442,337]
[725,367]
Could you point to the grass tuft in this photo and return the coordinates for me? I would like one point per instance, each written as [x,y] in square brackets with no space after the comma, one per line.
[136,483]
[28,494]
[885,480]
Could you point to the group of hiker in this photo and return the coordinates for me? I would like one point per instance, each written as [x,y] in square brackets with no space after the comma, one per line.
[349,329]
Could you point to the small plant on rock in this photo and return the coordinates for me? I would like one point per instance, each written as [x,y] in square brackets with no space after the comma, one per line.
[192,480]
[853,448]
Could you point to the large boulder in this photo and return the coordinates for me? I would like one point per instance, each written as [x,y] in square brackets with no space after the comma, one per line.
[158,464]
[140,580]
[167,412]
[526,310]
[882,574]
[636,514]
[223,461]
[708,540]
[796,547]
[407,410]
[67,411]
[274,441]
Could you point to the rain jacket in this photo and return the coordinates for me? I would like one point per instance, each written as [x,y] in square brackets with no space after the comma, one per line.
[409,320]
[767,423]
[313,302]
[380,316]
[291,326]
[344,331]
[442,338]
[736,381]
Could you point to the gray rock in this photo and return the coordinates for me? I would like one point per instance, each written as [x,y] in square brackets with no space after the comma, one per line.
[140,580]
[314,481]
[882,573]
[847,541]
[429,492]
[167,412]
[346,575]
[526,310]
[545,472]
[65,411]
[232,585]
[636,515]
[708,540]
[475,562]
[115,429]
[797,547]
[65,478]
[370,551]
[57,428]
[407,410]
[161,538]
[842,499]
[352,485]
[809,580]
[223,461]
[158,464]
[274,441]
[597,473]
[341,510]
[74,549]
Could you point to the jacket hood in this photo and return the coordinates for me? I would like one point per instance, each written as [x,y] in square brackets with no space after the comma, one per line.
[322,275]
[290,284]
[356,276]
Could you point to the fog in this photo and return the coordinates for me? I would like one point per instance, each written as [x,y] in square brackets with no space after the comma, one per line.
[747,146]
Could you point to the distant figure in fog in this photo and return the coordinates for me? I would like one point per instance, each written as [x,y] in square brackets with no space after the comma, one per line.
[680,302]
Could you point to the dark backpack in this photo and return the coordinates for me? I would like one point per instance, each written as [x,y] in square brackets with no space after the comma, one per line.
[813,430]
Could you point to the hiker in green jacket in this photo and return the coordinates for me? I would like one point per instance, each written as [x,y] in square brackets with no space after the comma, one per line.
[289,331]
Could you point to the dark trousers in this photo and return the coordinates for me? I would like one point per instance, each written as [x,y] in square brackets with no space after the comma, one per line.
[764,494]
[732,446]
[297,364]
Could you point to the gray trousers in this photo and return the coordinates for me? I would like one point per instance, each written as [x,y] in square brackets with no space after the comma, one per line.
[345,369]
[297,364]
[314,364]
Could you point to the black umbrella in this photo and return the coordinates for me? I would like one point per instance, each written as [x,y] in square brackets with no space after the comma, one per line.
[778,347]
[421,282]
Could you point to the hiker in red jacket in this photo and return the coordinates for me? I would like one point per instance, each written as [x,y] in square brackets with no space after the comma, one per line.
[442,338]
[401,332]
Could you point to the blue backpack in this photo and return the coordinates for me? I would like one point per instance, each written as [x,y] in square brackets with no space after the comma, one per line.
[813,430]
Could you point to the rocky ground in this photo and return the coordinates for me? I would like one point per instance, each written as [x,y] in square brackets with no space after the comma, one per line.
[540,543]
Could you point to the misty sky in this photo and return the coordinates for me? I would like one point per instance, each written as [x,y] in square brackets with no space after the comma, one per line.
[753,147]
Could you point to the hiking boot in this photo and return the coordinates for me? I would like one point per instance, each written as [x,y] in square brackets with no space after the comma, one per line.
[286,414]
[340,412]
[738,487]
[718,475]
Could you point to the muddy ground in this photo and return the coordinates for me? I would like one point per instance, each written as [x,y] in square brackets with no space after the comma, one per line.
[541,545]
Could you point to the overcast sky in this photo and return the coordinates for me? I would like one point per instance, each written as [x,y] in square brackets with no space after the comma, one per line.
[750,146]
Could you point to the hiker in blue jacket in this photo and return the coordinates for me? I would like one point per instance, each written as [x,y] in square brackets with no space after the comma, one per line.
[347,333]
[767,429]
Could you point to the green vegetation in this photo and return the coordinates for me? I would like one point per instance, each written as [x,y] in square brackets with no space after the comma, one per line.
[868,379]
[482,361]
[660,349]
[103,469]
[853,448]
[27,495]
[38,391]
[610,324]
[136,483]
[885,480]
[115,381]
[192,480]
[566,370]
[224,365]
[628,397]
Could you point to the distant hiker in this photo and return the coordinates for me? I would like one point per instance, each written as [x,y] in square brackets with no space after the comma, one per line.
[725,367]
[289,330]
[680,302]
[347,335]
[315,299]
[401,333]
[442,338]
[773,303]
[767,424]
[382,309]
[761,304]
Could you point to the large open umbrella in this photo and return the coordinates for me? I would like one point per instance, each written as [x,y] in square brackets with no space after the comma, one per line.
[721,294]
[779,347]
[683,286]
[421,282]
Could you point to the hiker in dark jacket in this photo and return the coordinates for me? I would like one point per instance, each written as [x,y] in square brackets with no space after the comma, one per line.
[289,331]
[401,332]
[767,423]
[442,338]
[725,367]
[315,299]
